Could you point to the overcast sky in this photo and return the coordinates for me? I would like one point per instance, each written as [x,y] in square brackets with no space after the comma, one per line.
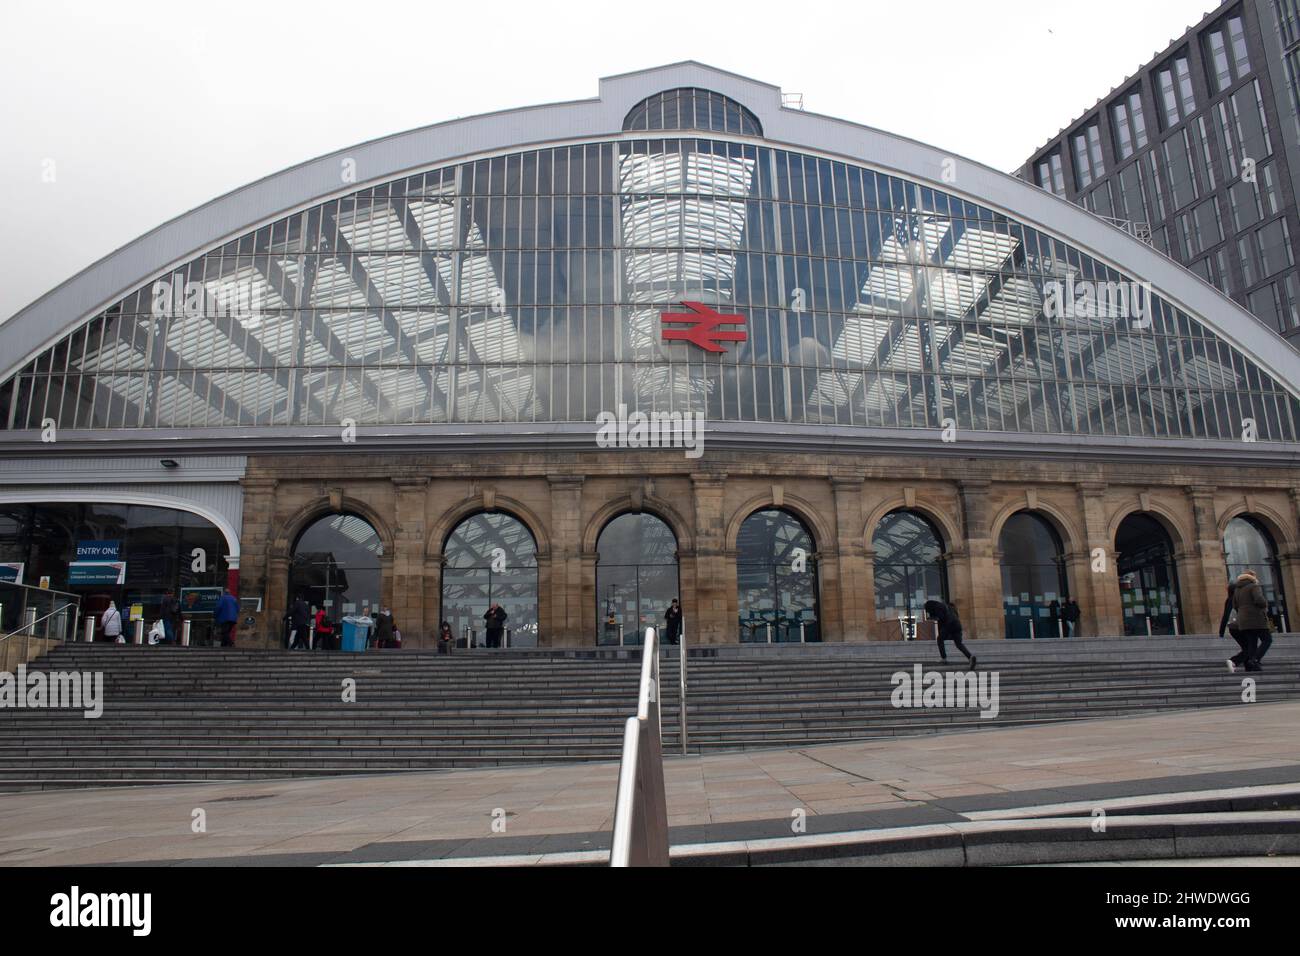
[148,109]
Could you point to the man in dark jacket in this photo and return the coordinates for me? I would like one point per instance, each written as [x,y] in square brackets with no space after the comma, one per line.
[226,615]
[673,623]
[949,628]
[298,619]
[1252,618]
[495,624]
[1072,614]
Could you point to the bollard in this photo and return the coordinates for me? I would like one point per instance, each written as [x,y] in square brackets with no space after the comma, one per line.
[311,635]
[1281,614]
[89,629]
[185,633]
[1148,625]
[506,638]
[139,631]
[1031,629]
[1176,633]
[29,631]
[620,635]
[1060,628]
[769,633]
[801,633]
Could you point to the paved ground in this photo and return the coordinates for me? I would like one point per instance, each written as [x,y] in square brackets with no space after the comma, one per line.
[900,781]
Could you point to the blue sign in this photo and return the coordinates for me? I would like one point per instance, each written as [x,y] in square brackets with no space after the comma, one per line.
[200,600]
[97,572]
[98,550]
[11,572]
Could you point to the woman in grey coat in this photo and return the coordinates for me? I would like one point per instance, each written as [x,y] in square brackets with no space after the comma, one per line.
[1252,618]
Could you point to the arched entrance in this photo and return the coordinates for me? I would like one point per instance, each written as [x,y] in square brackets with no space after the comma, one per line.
[636,577]
[491,558]
[1148,578]
[337,565]
[1247,546]
[1033,576]
[776,579]
[909,566]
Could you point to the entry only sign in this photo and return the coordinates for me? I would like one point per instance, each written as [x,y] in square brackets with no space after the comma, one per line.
[99,550]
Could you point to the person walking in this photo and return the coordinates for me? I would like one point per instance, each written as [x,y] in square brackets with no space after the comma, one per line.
[1055,621]
[673,623]
[1072,615]
[384,628]
[495,621]
[168,613]
[1228,622]
[1252,618]
[226,615]
[299,616]
[111,622]
[323,639]
[949,629]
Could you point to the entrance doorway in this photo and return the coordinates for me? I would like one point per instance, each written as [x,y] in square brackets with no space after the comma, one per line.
[1148,577]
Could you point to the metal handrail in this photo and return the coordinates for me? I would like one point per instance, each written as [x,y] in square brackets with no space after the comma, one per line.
[24,632]
[681,686]
[640,805]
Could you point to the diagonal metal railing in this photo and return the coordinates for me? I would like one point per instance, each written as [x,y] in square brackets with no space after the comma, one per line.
[640,804]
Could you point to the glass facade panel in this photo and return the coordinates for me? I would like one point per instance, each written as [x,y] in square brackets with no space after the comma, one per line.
[1034,582]
[491,559]
[636,578]
[1247,546]
[909,566]
[530,288]
[776,572]
[336,565]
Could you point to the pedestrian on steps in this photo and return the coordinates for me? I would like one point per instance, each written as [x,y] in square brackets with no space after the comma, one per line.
[384,628]
[1072,614]
[299,615]
[111,622]
[1252,618]
[446,640]
[673,623]
[949,629]
[1228,623]
[495,623]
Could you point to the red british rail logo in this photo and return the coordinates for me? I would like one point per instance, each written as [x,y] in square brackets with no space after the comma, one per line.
[703,323]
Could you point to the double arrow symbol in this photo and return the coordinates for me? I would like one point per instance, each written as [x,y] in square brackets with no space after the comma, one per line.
[704,331]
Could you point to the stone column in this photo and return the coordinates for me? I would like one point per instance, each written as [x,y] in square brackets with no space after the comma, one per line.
[1289,565]
[409,600]
[855,593]
[563,622]
[1203,591]
[979,580]
[1095,573]
[260,576]
[708,607]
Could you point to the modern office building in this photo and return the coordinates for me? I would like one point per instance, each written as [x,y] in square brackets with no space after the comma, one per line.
[1198,153]
[475,362]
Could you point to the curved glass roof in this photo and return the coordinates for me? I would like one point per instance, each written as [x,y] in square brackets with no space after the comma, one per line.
[530,287]
[692,108]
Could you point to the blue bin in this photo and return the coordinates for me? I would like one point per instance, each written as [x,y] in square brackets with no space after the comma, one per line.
[355,631]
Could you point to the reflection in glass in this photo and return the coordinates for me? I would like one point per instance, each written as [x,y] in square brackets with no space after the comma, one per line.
[529,288]
[909,565]
[1033,576]
[1148,578]
[491,558]
[336,565]
[776,573]
[636,577]
[1247,546]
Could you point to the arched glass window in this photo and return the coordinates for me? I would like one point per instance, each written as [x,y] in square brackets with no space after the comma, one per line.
[1247,546]
[909,565]
[1033,576]
[336,565]
[636,577]
[487,559]
[1148,578]
[690,108]
[776,579]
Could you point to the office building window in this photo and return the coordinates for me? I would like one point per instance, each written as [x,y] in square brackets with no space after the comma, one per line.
[1128,126]
[1088,164]
[1050,175]
[1174,82]
[1226,59]
[1224,279]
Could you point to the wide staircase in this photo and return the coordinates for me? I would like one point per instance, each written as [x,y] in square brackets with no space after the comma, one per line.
[172,715]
